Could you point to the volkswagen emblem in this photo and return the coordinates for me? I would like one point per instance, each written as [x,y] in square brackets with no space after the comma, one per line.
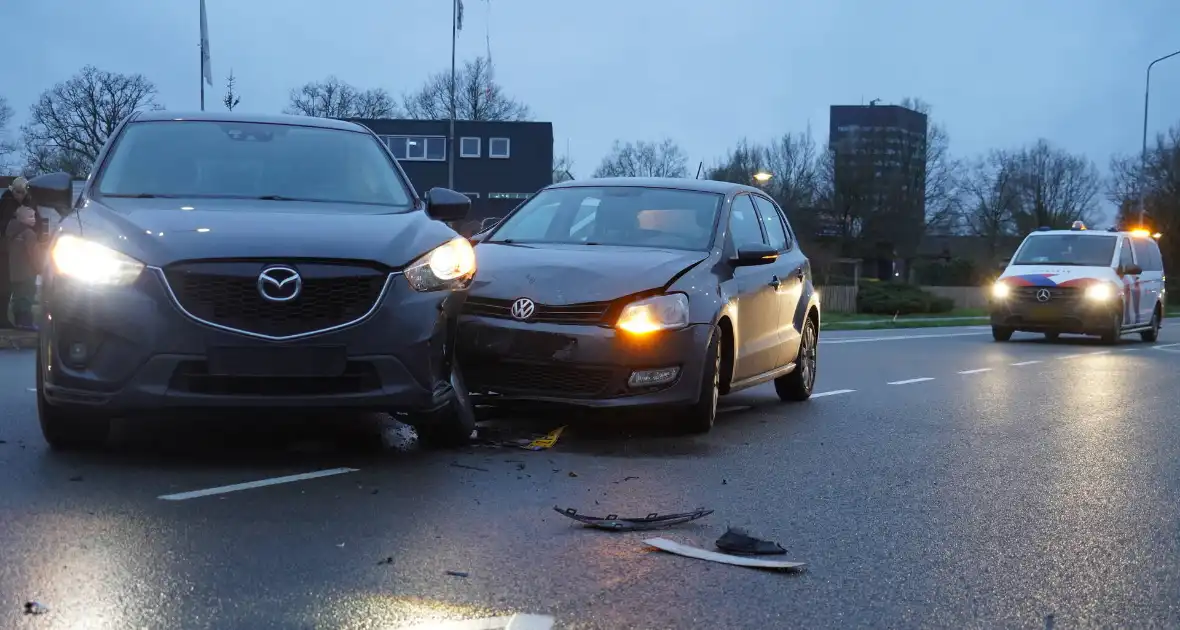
[279,284]
[1043,295]
[522,309]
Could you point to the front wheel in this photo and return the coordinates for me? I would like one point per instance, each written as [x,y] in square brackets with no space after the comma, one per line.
[1114,330]
[66,428]
[1002,333]
[700,416]
[798,384]
[452,425]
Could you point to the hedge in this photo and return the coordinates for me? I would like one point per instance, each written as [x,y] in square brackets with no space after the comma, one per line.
[890,298]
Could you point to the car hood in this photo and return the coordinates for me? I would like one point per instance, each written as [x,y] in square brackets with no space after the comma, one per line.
[572,274]
[1055,275]
[163,231]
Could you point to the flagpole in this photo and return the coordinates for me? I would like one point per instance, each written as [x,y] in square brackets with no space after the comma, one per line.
[451,142]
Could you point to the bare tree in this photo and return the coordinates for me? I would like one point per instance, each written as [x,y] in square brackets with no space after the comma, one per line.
[940,180]
[231,98]
[7,146]
[71,121]
[1159,185]
[333,98]
[791,161]
[477,96]
[562,166]
[991,197]
[1056,187]
[644,159]
[740,164]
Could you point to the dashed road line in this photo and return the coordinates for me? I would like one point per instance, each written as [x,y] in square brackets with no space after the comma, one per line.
[911,380]
[834,392]
[249,485]
[1025,363]
[976,371]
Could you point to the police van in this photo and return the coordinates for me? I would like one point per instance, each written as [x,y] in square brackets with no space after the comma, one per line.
[1081,281]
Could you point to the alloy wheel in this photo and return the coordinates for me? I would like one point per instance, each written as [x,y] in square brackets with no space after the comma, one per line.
[808,355]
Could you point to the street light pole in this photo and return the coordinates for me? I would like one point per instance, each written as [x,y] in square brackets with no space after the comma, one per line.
[1143,155]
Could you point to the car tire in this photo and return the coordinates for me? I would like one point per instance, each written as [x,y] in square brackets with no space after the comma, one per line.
[1053,335]
[1114,331]
[1002,333]
[700,416]
[1153,333]
[67,428]
[452,425]
[800,382]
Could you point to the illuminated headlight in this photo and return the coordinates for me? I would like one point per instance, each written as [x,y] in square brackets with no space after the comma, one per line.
[1000,290]
[662,312]
[448,266]
[94,264]
[1099,292]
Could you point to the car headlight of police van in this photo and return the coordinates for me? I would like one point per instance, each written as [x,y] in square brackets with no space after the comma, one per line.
[93,264]
[1000,290]
[653,314]
[449,266]
[1099,292]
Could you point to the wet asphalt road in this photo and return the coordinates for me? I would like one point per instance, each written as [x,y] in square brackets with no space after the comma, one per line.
[994,495]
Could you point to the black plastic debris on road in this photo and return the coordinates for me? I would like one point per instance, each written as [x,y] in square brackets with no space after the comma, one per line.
[457,573]
[613,523]
[35,608]
[458,465]
[736,540]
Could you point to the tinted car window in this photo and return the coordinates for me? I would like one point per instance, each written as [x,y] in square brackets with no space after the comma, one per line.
[776,231]
[248,160]
[1143,254]
[743,222]
[1125,254]
[615,215]
[1157,259]
[1067,249]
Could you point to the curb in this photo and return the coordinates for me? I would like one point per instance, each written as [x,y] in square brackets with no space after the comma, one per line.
[17,340]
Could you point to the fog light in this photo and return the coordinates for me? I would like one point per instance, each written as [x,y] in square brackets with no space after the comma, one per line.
[78,353]
[649,378]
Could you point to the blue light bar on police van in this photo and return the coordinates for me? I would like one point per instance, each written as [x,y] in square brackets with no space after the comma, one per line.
[1044,228]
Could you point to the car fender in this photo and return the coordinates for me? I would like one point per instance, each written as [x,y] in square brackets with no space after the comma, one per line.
[808,299]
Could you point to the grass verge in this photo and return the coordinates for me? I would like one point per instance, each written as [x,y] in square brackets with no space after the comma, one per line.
[867,321]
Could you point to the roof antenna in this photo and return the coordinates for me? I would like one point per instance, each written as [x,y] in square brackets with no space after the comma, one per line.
[700,167]
[873,103]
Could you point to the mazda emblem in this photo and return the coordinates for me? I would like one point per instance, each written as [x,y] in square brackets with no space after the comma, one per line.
[279,284]
[523,309]
[1043,295]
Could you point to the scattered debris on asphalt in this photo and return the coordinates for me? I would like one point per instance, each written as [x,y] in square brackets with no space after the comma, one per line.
[341,545]
[76,478]
[546,442]
[458,465]
[573,474]
[386,560]
[625,479]
[613,523]
[457,573]
[35,608]
[491,437]
[671,546]
[736,540]
[724,482]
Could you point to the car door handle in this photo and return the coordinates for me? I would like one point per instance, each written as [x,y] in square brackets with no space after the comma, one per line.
[775,282]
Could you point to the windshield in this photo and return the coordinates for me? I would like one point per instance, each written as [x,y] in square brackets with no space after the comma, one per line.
[619,215]
[251,160]
[1067,249]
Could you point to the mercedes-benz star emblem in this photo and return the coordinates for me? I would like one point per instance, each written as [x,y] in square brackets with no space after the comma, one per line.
[523,308]
[279,284]
[1043,295]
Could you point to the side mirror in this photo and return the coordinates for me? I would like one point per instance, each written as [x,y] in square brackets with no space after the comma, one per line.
[444,204]
[1132,270]
[55,190]
[751,255]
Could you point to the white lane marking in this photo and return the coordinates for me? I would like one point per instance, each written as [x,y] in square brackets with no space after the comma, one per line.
[911,380]
[833,393]
[900,337]
[1070,356]
[261,483]
[976,371]
[515,622]
[1098,352]
[1025,363]
[1166,345]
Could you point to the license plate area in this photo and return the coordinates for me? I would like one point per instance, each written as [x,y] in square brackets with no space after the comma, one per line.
[277,361]
[1042,312]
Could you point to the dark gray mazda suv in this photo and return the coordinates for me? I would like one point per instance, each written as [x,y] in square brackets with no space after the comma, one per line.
[248,262]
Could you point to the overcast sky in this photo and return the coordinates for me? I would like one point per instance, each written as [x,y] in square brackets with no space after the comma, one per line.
[998,73]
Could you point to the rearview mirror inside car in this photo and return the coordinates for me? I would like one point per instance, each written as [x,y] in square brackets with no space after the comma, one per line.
[750,255]
[444,204]
[54,190]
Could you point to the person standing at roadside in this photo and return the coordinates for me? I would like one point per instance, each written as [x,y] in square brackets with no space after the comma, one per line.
[24,264]
[11,200]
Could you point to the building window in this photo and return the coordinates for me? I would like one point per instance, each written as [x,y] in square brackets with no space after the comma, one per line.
[508,195]
[498,148]
[469,147]
[418,148]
